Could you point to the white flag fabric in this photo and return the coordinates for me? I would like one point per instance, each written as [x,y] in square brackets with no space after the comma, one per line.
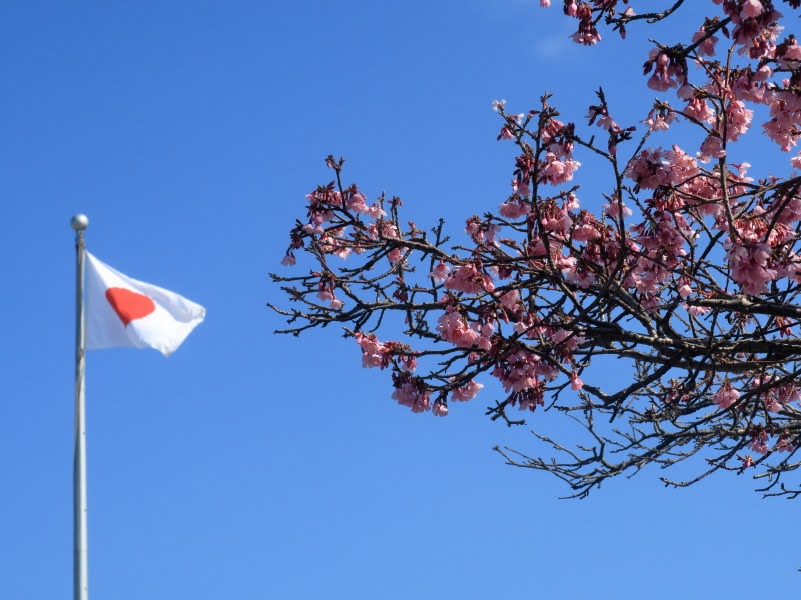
[121,312]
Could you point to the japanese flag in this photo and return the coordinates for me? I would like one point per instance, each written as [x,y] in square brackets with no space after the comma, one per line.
[121,312]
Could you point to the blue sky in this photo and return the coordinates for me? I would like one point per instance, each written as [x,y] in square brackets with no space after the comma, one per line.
[250,465]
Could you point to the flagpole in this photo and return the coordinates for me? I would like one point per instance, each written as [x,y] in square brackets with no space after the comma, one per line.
[81,554]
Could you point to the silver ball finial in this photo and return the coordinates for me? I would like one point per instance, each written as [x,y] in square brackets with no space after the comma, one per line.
[79,222]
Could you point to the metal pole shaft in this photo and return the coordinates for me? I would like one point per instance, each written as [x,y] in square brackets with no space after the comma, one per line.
[80,545]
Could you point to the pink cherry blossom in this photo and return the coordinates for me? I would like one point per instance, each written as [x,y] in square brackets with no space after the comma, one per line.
[587,228]
[580,276]
[665,75]
[412,392]
[355,200]
[520,186]
[759,442]
[725,396]
[698,108]
[389,230]
[567,341]
[653,168]
[556,171]
[454,328]
[782,128]
[510,299]
[707,47]
[375,211]
[738,120]
[374,353]
[469,279]
[466,392]
[513,209]
[506,133]
[772,404]
[751,8]
[590,37]
[712,147]
[659,120]
[439,409]
[694,310]
[395,255]
[440,271]
[750,265]
[615,209]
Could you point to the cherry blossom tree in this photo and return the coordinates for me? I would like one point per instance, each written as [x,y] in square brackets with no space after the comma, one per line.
[688,280]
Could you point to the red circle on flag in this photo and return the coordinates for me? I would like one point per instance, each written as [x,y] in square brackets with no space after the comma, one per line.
[129,305]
